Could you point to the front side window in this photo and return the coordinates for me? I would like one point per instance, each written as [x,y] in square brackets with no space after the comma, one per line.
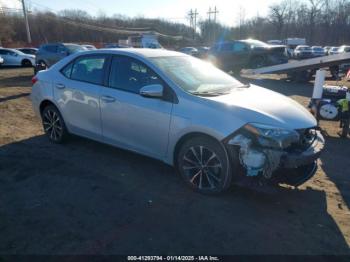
[226,47]
[130,74]
[239,47]
[86,69]
[196,76]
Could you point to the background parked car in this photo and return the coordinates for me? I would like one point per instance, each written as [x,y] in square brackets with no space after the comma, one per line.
[318,51]
[333,51]
[344,49]
[203,52]
[28,50]
[235,55]
[189,51]
[302,52]
[49,54]
[326,49]
[13,57]
[114,45]
[89,47]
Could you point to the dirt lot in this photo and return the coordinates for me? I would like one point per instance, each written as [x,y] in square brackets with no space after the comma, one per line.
[89,198]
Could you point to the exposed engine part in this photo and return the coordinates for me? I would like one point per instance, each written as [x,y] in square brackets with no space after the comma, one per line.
[256,160]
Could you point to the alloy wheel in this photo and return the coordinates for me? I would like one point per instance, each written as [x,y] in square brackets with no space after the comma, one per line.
[202,167]
[53,125]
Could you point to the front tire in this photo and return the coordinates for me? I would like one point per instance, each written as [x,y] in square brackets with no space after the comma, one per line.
[53,124]
[204,165]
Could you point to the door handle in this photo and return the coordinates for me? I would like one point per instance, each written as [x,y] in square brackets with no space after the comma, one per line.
[60,86]
[108,99]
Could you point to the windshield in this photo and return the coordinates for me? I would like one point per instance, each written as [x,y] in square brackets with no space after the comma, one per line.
[196,76]
[75,48]
[317,49]
[17,52]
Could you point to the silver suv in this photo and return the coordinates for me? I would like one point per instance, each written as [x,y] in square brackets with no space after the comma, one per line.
[49,54]
[180,110]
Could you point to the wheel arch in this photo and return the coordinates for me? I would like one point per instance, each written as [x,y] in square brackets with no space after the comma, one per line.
[185,138]
[45,103]
[24,60]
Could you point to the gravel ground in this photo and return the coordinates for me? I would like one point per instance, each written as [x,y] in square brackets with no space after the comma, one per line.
[88,198]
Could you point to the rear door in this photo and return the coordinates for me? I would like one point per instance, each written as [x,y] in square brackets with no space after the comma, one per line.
[77,92]
[130,120]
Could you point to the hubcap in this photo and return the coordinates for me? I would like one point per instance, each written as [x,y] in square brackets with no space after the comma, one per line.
[52,125]
[202,167]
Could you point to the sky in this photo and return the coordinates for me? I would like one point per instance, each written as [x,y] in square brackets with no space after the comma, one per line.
[173,10]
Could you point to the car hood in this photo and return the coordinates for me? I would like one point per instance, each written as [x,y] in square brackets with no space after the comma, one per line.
[260,105]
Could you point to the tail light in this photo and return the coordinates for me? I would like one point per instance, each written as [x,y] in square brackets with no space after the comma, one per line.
[34,80]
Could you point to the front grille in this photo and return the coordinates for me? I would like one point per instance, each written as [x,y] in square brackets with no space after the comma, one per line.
[306,137]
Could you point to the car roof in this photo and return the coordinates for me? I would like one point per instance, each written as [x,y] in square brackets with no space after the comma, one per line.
[34,48]
[145,52]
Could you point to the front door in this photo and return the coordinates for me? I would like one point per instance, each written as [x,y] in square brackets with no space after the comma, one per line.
[130,120]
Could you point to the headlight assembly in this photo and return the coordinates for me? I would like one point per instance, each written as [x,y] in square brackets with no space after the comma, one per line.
[271,136]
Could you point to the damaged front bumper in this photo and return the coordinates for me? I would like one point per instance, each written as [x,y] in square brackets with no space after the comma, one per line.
[292,165]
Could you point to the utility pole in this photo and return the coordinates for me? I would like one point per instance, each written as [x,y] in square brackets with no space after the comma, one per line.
[209,24]
[29,39]
[214,12]
[195,23]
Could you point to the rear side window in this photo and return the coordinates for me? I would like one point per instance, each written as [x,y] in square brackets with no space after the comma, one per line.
[67,70]
[86,69]
[131,75]
[50,48]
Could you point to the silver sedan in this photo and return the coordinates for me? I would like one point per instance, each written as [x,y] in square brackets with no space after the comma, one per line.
[170,106]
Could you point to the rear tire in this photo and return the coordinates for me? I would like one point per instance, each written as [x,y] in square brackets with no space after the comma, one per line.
[53,124]
[204,165]
[26,63]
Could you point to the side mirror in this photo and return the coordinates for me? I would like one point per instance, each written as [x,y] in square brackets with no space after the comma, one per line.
[155,91]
